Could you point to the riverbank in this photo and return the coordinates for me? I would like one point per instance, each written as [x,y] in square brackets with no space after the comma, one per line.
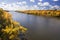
[42,12]
[10,29]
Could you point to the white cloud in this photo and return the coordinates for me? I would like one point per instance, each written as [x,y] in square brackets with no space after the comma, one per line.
[39,3]
[40,0]
[3,3]
[18,6]
[55,7]
[44,8]
[19,3]
[32,0]
[46,4]
[23,6]
[14,6]
[43,4]
[34,7]
[24,2]
[55,0]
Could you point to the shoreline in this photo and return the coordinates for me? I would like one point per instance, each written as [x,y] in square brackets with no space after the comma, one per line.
[53,13]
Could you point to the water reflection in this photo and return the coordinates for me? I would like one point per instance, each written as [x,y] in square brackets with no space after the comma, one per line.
[39,28]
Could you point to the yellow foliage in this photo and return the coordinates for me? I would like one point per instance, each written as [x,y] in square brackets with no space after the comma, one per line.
[11,37]
[22,28]
[10,29]
[43,12]
[15,23]
[6,30]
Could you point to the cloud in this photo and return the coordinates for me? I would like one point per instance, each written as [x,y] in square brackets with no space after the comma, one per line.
[18,6]
[40,0]
[55,0]
[55,7]
[43,8]
[19,3]
[14,6]
[39,3]
[3,3]
[22,3]
[32,0]
[34,7]
[23,6]
[46,3]
[47,6]
[43,4]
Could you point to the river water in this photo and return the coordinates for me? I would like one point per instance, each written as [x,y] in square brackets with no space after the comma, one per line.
[39,27]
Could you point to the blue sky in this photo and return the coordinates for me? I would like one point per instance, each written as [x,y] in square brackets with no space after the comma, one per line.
[29,4]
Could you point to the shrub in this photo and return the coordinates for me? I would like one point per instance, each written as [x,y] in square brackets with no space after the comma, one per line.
[9,29]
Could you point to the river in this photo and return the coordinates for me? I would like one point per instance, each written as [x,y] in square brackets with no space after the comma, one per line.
[39,27]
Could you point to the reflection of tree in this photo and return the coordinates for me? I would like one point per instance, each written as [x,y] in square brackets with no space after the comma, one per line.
[9,29]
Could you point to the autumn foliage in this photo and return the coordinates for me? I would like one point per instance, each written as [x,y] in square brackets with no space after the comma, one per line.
[9,29]
[53,13]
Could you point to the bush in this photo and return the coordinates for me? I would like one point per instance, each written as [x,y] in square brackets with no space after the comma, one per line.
[9,29]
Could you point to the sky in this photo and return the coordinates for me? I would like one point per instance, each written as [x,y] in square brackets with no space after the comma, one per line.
[30,4]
